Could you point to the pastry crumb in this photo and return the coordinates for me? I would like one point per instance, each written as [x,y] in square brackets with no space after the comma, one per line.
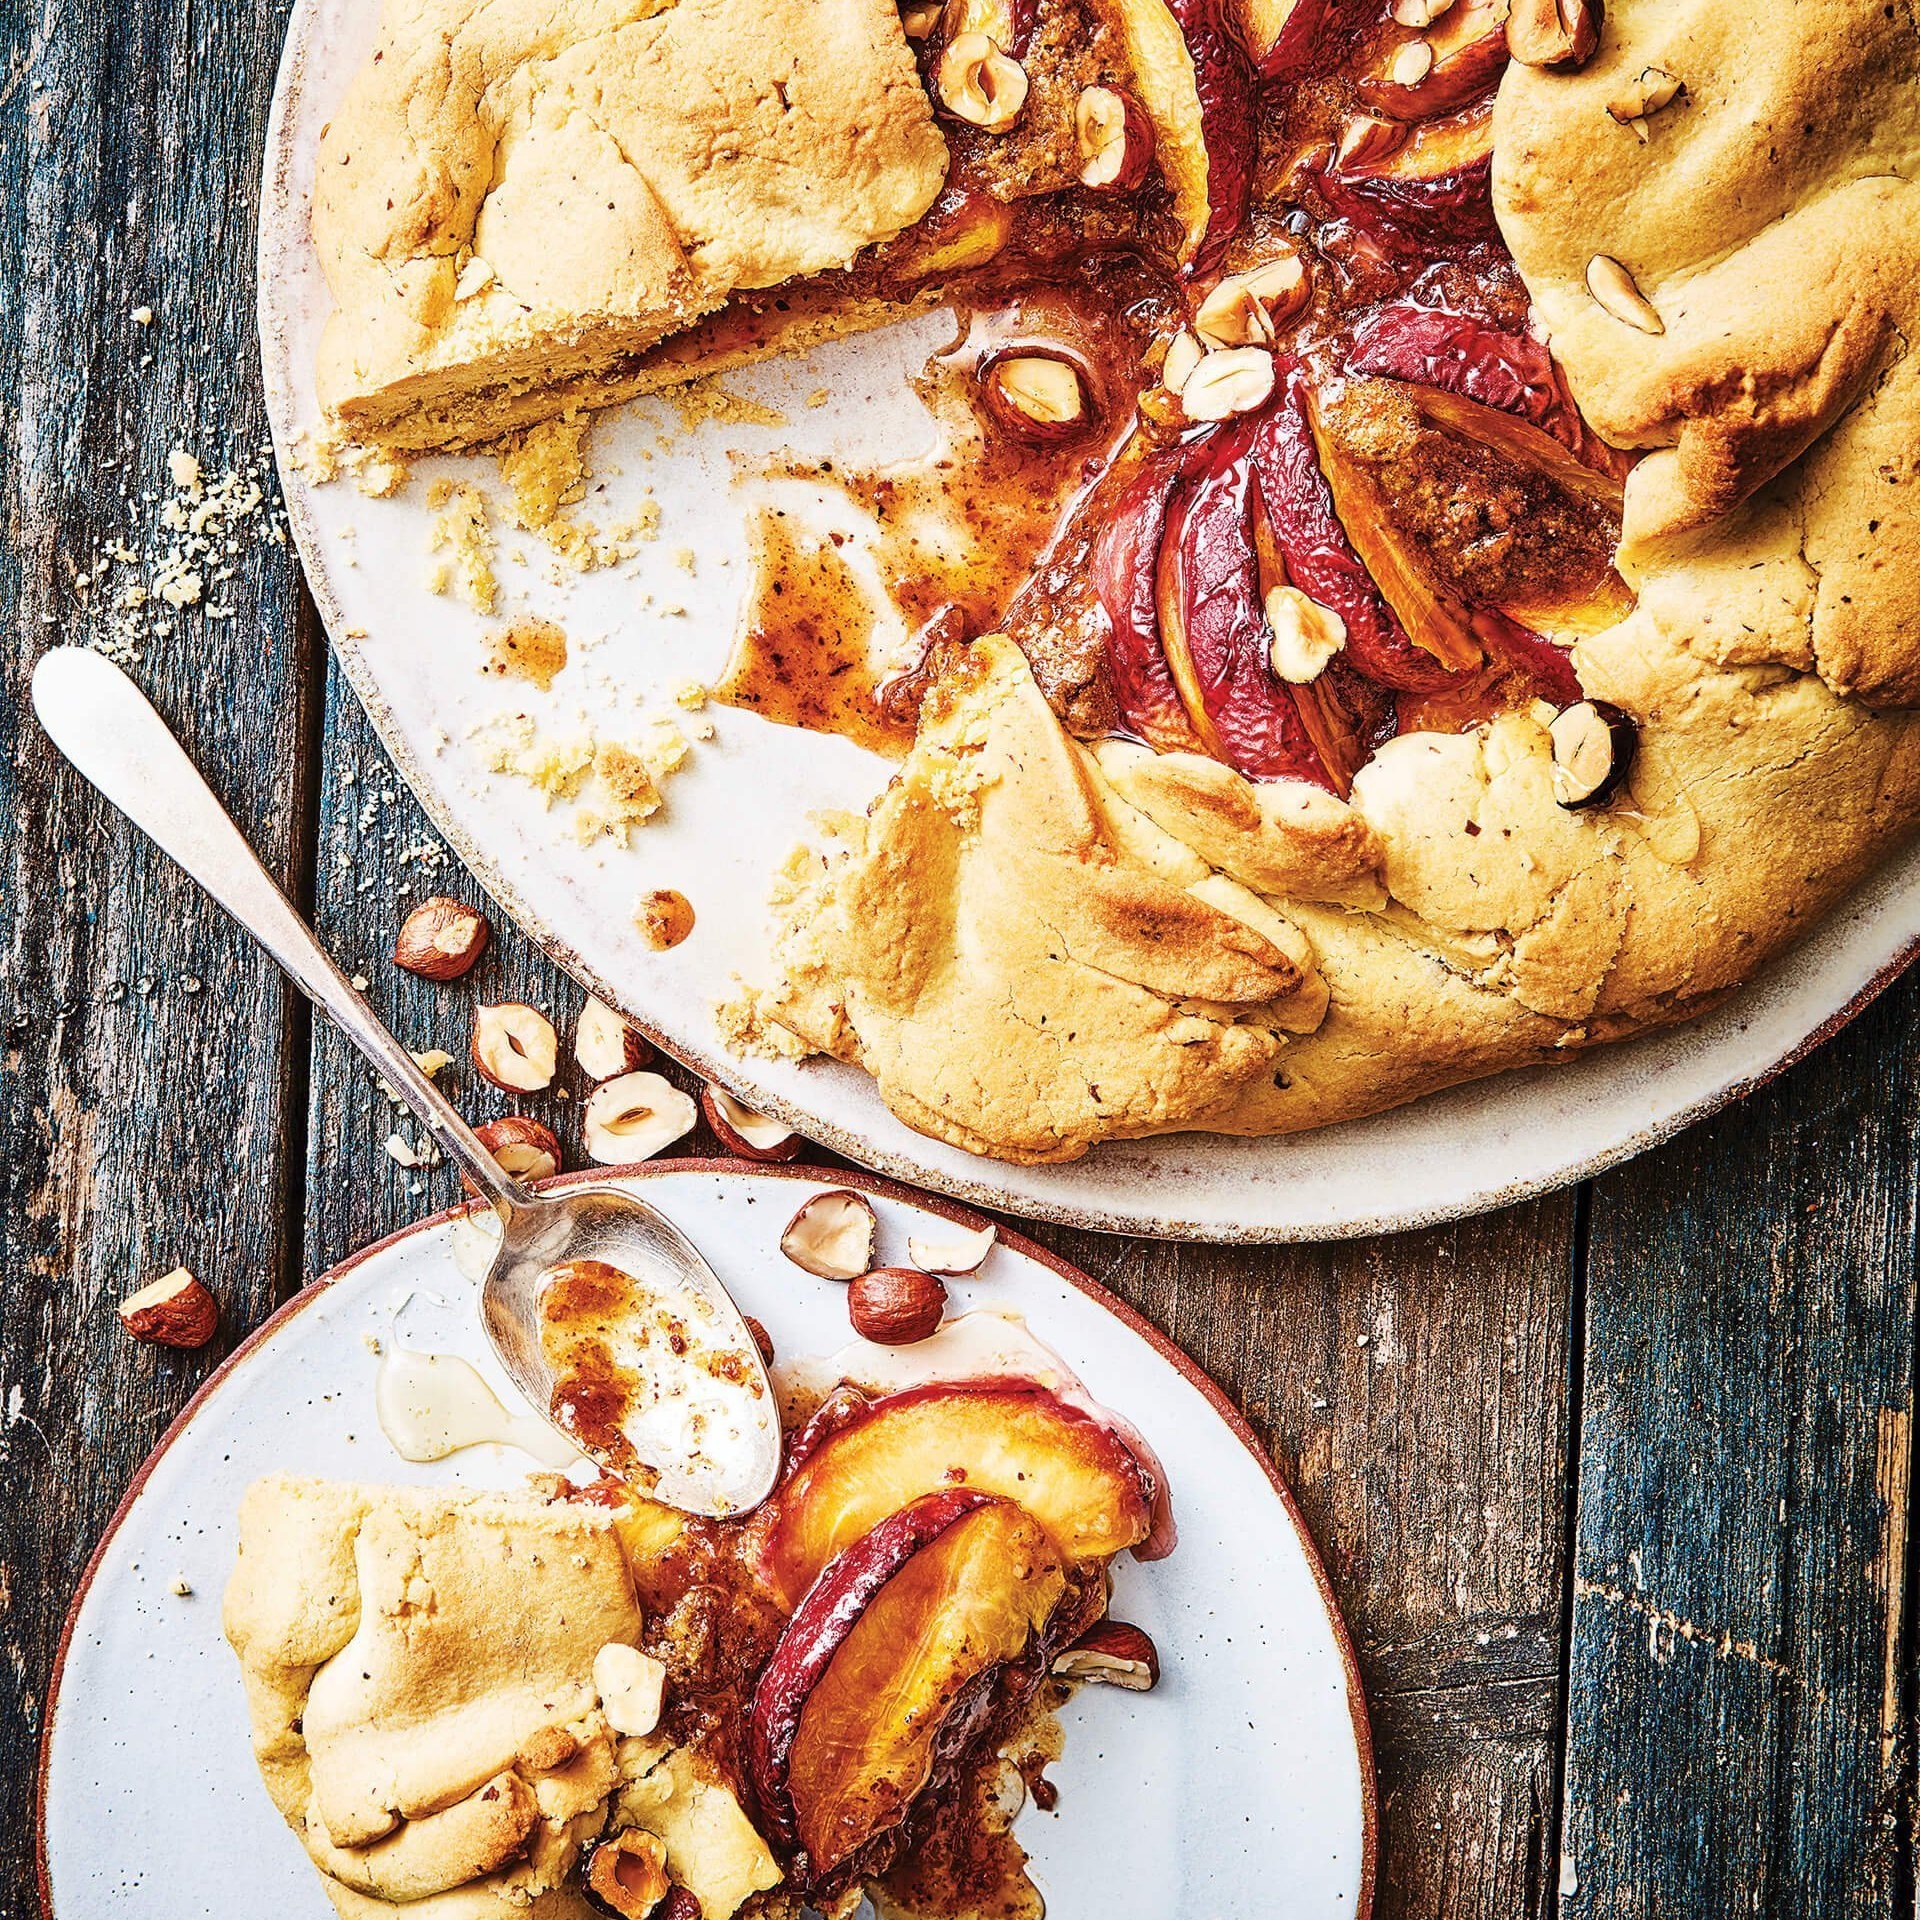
[529,649]
[462,531]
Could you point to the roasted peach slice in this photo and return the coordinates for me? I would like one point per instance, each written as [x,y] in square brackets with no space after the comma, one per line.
[1077,1478]
[1279,34]
[1123,567]
[1215,630]
[1436,189]
[1197,88]
[887,1667]
[1454,61]
[1427,612]
[1312,550]
[1460,354]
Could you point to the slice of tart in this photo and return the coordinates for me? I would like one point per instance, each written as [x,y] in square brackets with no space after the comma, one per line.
[514,202]
[572,1699]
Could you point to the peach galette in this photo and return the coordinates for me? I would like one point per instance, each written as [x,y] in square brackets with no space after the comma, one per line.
[578,1701]
[1428,580]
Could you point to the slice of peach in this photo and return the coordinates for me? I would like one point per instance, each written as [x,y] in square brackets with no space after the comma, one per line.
[1077,1478]
[1313,551]
[1429,615]
[1465,55]
[1459,353]
[1123,567]
[910,1682]
[1197,88]
[1279,34]
[1215,630]
[1435,190]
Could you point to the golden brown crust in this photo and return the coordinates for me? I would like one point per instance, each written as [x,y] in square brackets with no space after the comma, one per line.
[513,202]
[419,1665]
[1455,920]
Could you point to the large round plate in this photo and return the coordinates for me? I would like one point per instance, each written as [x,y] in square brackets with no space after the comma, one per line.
[1249,1769]
[732,820]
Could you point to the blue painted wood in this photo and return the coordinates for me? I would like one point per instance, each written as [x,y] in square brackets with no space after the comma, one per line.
[1740,1737]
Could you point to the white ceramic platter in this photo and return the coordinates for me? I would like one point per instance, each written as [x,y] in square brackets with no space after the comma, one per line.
[1249,1768]
[413,656]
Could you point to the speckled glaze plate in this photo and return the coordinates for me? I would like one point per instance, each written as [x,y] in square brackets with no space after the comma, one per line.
[1248,1769]
[641,631]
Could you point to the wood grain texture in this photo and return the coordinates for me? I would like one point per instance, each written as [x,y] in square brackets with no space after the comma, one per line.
[1414,1391]
[1740,1736]
[149,1057]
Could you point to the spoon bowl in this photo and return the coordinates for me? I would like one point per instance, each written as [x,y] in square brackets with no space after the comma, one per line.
[705,1432]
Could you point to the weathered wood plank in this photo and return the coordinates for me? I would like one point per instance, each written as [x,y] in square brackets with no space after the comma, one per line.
[1740,1738]
[144,1076]
[1414,1391]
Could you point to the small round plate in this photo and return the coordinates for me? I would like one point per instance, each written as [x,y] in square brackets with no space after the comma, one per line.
[667,617]
[1248,1769]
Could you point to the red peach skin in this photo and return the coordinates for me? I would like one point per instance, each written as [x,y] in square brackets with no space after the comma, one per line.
[1460,354]
[1215,628]
[1319,558]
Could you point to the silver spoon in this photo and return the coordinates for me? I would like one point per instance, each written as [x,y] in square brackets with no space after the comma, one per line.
[101,721]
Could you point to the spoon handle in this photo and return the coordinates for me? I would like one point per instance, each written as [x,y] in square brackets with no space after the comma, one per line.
[102,722]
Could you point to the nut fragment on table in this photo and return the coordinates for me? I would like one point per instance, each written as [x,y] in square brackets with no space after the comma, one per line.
[634,1116]
[896,1306]
[962,1253]
[173,1311]
[981,85]
[742,1131]
[441,939]
[515,1046]
[604,1044]
[522,1147]
[833,1235]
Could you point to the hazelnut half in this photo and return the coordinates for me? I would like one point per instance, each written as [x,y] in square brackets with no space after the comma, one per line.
[626,1874]
[1553,33]
[634,1116]
[981,85]
[962,1254]
[1235,380]
[1593,744]
[1619,293]
[523,1148]
[173,1311]
[1112,1653]
[896,1306]
[1042,396]
[833,1235]
[1306,635]
[1245,309]
[1115,138]
[604,1044]
[751,1135]
[515,1046]
[441,939]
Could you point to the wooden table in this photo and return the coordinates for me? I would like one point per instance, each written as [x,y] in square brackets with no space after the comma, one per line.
[1613,1487]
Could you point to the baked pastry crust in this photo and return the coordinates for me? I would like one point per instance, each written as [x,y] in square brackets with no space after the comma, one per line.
[419,1666]
[516,200]
[1454,919]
